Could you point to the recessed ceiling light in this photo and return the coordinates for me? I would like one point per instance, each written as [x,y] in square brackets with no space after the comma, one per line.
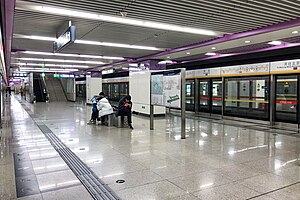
[275,42]
[294,32]
[210,54]
[247,41]
[168,57]
[213,48]
[188,53]
[121,20]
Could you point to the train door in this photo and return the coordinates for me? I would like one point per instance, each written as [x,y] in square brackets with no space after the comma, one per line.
[287,94]
[210,96]
[247,97]
[190,95]
[204,95]
[217,96]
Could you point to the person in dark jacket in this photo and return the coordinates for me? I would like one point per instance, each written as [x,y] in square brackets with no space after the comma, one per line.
[124,109]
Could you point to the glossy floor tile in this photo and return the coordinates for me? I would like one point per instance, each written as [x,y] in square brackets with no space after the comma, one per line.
[216,161]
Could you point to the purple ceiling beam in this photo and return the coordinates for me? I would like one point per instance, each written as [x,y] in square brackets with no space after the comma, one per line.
[225,38]
[9,6]
[286,45]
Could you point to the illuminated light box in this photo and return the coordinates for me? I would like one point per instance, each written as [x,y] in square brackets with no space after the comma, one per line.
[65,39]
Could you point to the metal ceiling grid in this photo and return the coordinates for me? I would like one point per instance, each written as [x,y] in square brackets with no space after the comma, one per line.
[219,15]
[295,39]
[244,48]
[34,45]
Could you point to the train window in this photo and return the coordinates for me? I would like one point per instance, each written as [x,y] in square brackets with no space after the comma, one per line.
[115,92]
[123,89]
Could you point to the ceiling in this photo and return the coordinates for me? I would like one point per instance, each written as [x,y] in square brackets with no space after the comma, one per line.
[223,17]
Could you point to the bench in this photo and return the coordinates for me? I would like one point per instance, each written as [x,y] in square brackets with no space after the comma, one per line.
[117,121]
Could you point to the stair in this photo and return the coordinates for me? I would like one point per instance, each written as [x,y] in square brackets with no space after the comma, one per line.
[55,89]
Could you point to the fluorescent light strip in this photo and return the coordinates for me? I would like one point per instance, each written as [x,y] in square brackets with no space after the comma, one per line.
[49,69]
[70,55]
[115,19]
[33,37]
[109,44]
[49,65]
[63,61]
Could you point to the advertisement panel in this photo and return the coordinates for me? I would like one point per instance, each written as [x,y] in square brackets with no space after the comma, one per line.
[172,89]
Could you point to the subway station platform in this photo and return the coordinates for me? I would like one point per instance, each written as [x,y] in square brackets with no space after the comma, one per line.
[216,161]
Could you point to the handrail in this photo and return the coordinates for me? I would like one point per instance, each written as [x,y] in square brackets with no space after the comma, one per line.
[41,89]
[63,89]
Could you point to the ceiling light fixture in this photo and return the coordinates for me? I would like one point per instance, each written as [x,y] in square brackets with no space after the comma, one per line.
[109,44]
[70,55]
[275,42]
[49,65]
[25,69]
[121,20]
[51,69]
[295,32]
[210,54]
[60,60]
[33,37]
[213,48]
[247,41]
[188,53]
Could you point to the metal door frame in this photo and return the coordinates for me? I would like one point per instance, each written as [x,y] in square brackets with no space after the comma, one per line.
[298,103]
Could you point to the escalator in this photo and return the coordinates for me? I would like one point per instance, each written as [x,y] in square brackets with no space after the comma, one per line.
[39,88]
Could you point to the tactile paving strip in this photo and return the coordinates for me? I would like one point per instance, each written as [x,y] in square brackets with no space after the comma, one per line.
[97,188]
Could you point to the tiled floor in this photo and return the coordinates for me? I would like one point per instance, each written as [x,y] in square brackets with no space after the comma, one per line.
[215,161]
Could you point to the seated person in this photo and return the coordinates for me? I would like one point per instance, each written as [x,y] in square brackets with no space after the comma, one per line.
[124,109]
[104,108]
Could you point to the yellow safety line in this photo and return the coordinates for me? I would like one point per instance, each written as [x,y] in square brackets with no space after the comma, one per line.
[247,101]
[287,94]
[287,99]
